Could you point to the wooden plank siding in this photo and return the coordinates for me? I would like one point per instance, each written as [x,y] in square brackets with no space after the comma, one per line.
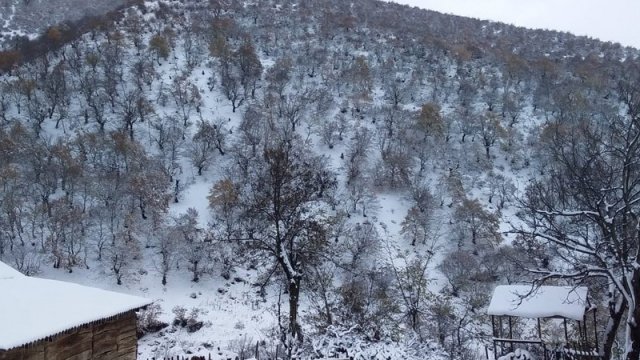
[113,339]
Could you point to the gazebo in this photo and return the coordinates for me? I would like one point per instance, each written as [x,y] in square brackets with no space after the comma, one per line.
[566,305]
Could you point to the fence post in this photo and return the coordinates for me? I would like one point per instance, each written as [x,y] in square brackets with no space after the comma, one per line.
[257,350]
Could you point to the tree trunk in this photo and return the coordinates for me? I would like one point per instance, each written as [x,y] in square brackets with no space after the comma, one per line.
[143,213]
[294,297]
[616,310]
[633,336]
[195,278]
[632,349]
[327,310]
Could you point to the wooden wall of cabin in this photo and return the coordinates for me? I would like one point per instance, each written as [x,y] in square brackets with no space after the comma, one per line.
[114,339]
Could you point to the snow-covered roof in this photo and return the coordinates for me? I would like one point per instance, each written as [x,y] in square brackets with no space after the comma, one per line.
[7,272]
[546,301]
[33,309]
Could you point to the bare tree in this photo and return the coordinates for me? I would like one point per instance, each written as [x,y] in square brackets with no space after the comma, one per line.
[490,130]
[416,226]
[476,223]
[159,45]
[186,96]
[284,216]
[279,75]
[232,87]
[208,138]
[250,66]
[56,92]
[293,107]
[458,267]
[586,210]
[223,199]
[123,251]
[191,244]
[133,108]
[412,280]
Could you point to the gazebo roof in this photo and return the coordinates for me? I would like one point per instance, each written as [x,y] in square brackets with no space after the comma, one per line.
[544,302]
[33,309]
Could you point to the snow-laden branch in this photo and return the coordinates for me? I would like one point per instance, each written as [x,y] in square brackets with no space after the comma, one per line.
[568,213]
[549,275]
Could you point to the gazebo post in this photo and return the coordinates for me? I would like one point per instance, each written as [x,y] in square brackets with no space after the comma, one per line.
[493,326]
[595,329]
[495,349]
[510,328]
[587,344]
[501,333]
[510,333]
[495,335]
[580,336]
[539,330]
[566,332]
[586,333]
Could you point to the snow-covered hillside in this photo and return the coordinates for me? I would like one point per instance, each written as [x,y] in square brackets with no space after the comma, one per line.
[299,177]
[29,18]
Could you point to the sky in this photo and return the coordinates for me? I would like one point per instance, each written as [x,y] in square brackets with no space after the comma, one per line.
[608,20]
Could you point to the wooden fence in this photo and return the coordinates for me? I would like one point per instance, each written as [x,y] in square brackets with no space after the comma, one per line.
[257,352]
[251,352]
[239,357]
[209,357]
[189,357]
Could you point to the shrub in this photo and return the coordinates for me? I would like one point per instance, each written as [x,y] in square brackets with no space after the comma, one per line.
[148,321]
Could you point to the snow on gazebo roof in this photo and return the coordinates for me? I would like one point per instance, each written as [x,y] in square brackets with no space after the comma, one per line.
[33,309]
[544,302]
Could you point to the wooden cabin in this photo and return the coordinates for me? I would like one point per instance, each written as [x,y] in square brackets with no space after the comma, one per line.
[44,319]
[558,320]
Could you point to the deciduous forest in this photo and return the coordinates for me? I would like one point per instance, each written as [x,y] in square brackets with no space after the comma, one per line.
[321,178]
